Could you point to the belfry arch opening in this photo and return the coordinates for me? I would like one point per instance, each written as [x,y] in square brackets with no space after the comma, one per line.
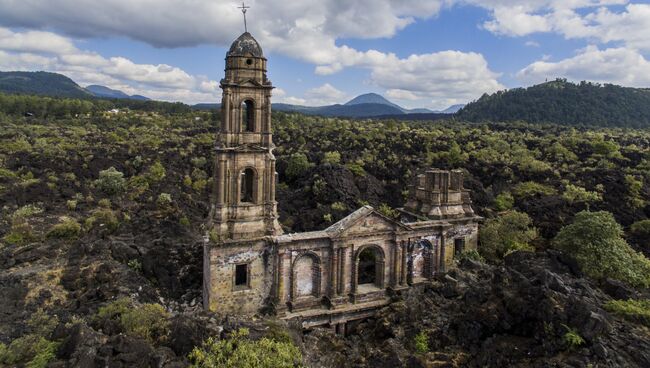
[369,267]
[247,186]
[248,116]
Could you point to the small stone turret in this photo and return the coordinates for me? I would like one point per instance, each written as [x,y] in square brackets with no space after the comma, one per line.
[439,194]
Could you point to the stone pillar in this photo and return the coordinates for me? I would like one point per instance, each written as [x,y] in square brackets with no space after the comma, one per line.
[272,177]
[355,267]
[443,245]
[280,291]
[403,266]
[221,182]
[394,264]
[342,272]
[334,271]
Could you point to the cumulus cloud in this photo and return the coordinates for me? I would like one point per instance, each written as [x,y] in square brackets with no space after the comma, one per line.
[589,19]
[612,65]
[37,50]
[437,79]
[324,95]
[307,30]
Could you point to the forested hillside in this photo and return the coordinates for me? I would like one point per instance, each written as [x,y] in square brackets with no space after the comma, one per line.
[41,83]
[565,103]
[101,235]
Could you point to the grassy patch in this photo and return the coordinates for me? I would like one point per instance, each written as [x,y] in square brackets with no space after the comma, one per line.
[633,310]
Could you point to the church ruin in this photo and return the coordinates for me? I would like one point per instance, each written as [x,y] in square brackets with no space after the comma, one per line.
[325,277]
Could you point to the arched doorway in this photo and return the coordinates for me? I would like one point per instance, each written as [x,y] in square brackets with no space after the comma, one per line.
[247,194]
[248,116]
[370,268]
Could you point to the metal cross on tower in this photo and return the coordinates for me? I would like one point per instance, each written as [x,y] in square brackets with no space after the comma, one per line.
[243,8]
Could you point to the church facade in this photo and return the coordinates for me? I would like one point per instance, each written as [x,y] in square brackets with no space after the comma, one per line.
[326,277]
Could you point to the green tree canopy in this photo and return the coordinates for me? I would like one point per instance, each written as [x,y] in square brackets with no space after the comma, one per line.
[506,233]
[595,239]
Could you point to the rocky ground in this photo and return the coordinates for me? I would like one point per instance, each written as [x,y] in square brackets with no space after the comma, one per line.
[516,314]
[478,315]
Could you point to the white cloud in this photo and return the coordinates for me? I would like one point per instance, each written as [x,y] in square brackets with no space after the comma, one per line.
[308,30]
[516,21]
[440,79]
[613,65]
[324,95]
[589,19]
[400,94]
[51,52]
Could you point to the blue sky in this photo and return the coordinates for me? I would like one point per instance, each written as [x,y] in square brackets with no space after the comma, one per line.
[418,53]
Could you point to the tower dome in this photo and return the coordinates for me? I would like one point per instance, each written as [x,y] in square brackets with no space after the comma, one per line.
[245,46]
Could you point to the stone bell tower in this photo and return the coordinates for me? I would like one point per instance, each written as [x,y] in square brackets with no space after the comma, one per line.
[243,205]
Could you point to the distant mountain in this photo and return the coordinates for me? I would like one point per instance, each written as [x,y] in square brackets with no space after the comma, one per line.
[55,85]
[372,98]
[565,103]
[41,83]
[366,105]
[452,109]
[105,92]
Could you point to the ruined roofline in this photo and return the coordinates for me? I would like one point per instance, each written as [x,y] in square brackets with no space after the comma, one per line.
[338,227]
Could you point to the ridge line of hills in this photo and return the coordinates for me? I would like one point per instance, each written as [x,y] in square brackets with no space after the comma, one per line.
[58,85]
[557,102]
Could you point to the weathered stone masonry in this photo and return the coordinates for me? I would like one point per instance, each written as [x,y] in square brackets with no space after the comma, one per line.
[342,273]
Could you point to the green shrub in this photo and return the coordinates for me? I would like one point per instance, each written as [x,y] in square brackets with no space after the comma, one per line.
[104,203]
[531,189]
[576,194]
[164,200]
[471,254]
[387,211]
[21,233]
[104,218]
[595,240]
[71,204]
[27,211]
[148,321]
[138,185]
[356,168]
[328,218]
[32,350]
[184,221]
[114,310]
[506,233]
[504,201]
[135,265]
[111,181]
[634,310]
[68,228]
[297,165]
[572,339]
[333,157]
[641,229]
[238,351]
[199,161]
[339,206]
[422,342]
[156,173]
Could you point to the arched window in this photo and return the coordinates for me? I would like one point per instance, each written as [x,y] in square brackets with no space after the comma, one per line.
[247,185]
[248,116]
